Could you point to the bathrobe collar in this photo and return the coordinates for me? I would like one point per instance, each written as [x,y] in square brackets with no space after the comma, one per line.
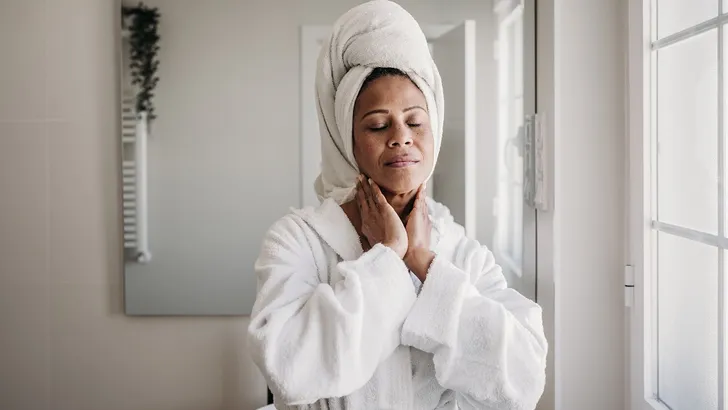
[330,222]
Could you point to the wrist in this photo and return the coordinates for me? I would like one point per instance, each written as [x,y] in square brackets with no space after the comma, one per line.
[418,260]
[401,251]
[413,253]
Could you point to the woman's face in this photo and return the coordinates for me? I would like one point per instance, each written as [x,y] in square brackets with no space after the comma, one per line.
[393,143]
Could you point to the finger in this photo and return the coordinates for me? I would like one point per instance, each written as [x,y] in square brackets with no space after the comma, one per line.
[422,192]
[425,209]
[361,199]
[423,196]
[378,195]
[363,184]
[368,191]
[374,193]
[416,203]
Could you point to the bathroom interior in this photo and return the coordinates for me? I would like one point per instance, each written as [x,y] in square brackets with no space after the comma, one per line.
[126,259]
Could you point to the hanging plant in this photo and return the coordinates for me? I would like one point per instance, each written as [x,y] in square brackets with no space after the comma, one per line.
[143,24]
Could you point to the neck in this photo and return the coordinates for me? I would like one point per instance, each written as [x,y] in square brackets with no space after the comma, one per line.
[402,204]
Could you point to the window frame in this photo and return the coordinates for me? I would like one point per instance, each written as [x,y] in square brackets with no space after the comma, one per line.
[641,183]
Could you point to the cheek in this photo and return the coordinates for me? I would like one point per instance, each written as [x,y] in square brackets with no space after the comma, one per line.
[427,146]
[366,152]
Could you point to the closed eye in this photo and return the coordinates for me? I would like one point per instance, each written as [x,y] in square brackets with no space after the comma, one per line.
[383,127]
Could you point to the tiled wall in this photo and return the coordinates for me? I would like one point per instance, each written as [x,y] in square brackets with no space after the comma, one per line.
[65,343]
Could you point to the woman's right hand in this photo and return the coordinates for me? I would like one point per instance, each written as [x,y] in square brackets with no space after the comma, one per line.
[379,221]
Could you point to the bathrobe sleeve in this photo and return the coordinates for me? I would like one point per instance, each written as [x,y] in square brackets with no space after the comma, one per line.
[312,340]
[487,340]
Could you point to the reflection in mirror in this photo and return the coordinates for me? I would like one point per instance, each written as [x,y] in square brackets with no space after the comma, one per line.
[139,47]
[220,136]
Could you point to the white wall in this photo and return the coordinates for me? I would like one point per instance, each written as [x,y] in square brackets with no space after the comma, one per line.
[581,80]
[65,342]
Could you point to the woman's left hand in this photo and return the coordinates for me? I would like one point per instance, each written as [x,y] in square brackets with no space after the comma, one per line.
[419,229]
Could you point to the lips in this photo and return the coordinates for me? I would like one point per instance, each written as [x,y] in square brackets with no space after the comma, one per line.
[401,161]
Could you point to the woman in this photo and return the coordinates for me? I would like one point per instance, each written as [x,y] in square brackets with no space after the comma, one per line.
[376,299]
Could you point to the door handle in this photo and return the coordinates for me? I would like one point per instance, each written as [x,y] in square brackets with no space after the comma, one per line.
[535,182]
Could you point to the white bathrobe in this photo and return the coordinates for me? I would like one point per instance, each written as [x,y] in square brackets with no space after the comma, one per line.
[337,328]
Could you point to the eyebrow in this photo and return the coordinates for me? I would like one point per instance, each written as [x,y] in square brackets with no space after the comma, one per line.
[382,111]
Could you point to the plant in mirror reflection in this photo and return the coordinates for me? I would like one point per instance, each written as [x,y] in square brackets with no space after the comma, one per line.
[142,23]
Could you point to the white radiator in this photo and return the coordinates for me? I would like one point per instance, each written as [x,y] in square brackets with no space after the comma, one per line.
[134,180]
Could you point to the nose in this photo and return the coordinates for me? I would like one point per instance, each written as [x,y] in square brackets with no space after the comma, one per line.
[401,136]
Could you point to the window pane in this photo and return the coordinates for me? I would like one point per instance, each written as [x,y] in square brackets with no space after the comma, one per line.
[676,15]
[517,31]
[687,133]
[687,300]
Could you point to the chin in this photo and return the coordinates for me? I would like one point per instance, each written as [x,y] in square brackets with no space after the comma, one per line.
[401,184]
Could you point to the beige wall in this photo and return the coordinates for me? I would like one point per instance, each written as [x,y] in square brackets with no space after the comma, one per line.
[65,342]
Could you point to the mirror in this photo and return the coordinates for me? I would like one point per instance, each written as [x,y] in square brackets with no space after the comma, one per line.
[219,137]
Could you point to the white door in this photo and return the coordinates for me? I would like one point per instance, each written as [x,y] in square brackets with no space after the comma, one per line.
[454,176]
[514,233]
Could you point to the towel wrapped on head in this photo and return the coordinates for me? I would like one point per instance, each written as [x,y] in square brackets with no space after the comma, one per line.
[378,33]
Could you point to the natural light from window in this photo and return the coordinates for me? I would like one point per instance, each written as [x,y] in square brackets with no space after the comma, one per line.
[508,241]
[687,342]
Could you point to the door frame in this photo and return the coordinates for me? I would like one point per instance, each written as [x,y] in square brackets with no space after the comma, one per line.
[641,357]
[458,148]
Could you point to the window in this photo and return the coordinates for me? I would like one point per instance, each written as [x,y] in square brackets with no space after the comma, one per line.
[685,337]
[508,241]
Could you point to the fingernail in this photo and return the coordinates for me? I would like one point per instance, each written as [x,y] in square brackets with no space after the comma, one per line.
[370,181]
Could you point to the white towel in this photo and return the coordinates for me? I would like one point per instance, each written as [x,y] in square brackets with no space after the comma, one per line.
[379,33]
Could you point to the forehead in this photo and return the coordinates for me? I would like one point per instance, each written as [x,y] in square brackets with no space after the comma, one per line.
[390,90]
